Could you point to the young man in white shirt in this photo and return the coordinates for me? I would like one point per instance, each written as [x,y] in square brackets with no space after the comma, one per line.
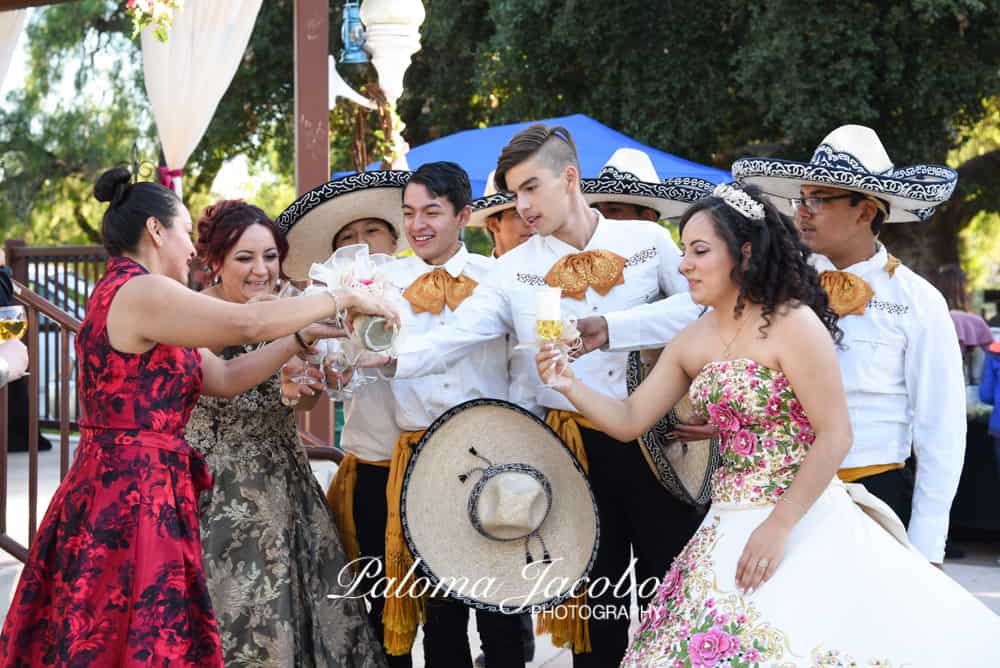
[601,266]
[434,282]
[900,360]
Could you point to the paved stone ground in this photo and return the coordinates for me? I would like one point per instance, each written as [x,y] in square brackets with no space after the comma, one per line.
[979,571]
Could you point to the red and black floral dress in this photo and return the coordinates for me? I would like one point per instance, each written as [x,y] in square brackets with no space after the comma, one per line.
[114,577]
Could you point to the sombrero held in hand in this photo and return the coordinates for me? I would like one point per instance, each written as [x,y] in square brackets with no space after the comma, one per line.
[684,469]
[494,503]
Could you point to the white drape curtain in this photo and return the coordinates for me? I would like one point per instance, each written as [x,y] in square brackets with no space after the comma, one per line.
[187,76]
[11,25]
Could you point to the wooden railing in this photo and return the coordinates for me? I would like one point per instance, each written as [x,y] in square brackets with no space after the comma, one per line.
[39,310]
[35,307]
[64,277]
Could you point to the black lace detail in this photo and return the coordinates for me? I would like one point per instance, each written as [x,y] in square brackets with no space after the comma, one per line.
[642,257]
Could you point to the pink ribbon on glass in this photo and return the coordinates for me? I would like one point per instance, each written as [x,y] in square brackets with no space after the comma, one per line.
[168,175]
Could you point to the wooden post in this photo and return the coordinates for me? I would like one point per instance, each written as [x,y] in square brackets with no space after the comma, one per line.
[312,104]
[312,141]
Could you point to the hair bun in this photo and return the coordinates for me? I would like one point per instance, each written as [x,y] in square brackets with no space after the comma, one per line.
[111,185]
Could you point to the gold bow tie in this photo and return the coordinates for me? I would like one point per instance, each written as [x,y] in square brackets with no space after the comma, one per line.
[848,293]
[436,288]
[598,269]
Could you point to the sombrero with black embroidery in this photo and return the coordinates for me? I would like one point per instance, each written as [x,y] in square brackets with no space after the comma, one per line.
[630,178]
[852,158]
[492,202]
[314,219]
[492,495]
[684,469]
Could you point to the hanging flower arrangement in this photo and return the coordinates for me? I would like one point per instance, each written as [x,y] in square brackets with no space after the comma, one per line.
[156,13]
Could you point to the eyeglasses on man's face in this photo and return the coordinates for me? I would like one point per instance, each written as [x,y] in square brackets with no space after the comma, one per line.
[815,203]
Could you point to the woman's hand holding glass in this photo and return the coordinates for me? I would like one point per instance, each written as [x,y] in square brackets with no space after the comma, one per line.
[554,367]
[299,380]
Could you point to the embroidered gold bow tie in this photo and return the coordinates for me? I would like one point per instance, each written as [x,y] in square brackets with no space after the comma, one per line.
[848,293]
[598,269]
[436,288]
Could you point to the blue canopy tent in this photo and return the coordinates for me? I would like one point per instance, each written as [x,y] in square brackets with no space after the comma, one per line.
[477,151]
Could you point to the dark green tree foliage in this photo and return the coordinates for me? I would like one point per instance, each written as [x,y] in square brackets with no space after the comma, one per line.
[709,80]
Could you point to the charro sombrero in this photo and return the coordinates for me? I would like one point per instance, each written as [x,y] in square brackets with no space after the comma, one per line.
[684,469]
[490,203]
[492,495]
[311,222]
[852,158]
[629,177]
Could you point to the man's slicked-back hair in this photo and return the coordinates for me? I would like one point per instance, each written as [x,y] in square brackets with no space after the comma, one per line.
[554,145]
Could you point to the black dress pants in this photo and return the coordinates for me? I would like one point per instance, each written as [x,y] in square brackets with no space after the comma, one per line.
[635,512]
[370,516]
[446,636]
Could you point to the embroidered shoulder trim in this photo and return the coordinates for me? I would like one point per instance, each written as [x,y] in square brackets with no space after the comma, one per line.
[641,257]
[889,307]
[532,279]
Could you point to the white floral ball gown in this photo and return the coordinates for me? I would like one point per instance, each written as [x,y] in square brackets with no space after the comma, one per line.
[847,593]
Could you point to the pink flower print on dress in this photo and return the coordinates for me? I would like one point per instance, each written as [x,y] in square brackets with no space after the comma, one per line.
[744,443]
[707,649]
[780,383]
[723,418]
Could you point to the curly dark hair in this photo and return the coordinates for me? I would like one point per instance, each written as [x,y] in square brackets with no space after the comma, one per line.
[222,224]
[777,273]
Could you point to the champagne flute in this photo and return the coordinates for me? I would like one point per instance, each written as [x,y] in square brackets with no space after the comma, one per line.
[548,319]
[13,323]
[335,363]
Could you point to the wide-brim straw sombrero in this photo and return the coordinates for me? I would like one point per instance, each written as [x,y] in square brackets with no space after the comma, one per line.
[684,469]
[497,510]
[852,158]
[492,202]
[630,178]
[312,221]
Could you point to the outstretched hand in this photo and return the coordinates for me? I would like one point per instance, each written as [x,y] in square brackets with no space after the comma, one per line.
[363,302]
[593,333]
[554,368]
[697,428]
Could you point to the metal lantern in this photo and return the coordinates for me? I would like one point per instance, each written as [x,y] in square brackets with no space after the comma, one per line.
[352,33]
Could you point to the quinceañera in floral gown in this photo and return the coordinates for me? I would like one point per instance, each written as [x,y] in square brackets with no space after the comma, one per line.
[846,593]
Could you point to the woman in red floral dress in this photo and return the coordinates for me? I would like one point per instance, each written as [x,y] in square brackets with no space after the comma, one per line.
[114,576]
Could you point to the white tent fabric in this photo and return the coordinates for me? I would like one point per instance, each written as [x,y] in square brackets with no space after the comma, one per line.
[188,75]
[11,25]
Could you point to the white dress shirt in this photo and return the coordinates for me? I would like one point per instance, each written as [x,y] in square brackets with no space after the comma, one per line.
[902,371]
[505,304]
[370,430]
[480,373]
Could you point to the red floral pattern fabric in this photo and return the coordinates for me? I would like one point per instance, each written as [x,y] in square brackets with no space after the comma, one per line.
[115,577]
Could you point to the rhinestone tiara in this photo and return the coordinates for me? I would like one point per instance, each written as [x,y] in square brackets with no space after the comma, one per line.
[741,202]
